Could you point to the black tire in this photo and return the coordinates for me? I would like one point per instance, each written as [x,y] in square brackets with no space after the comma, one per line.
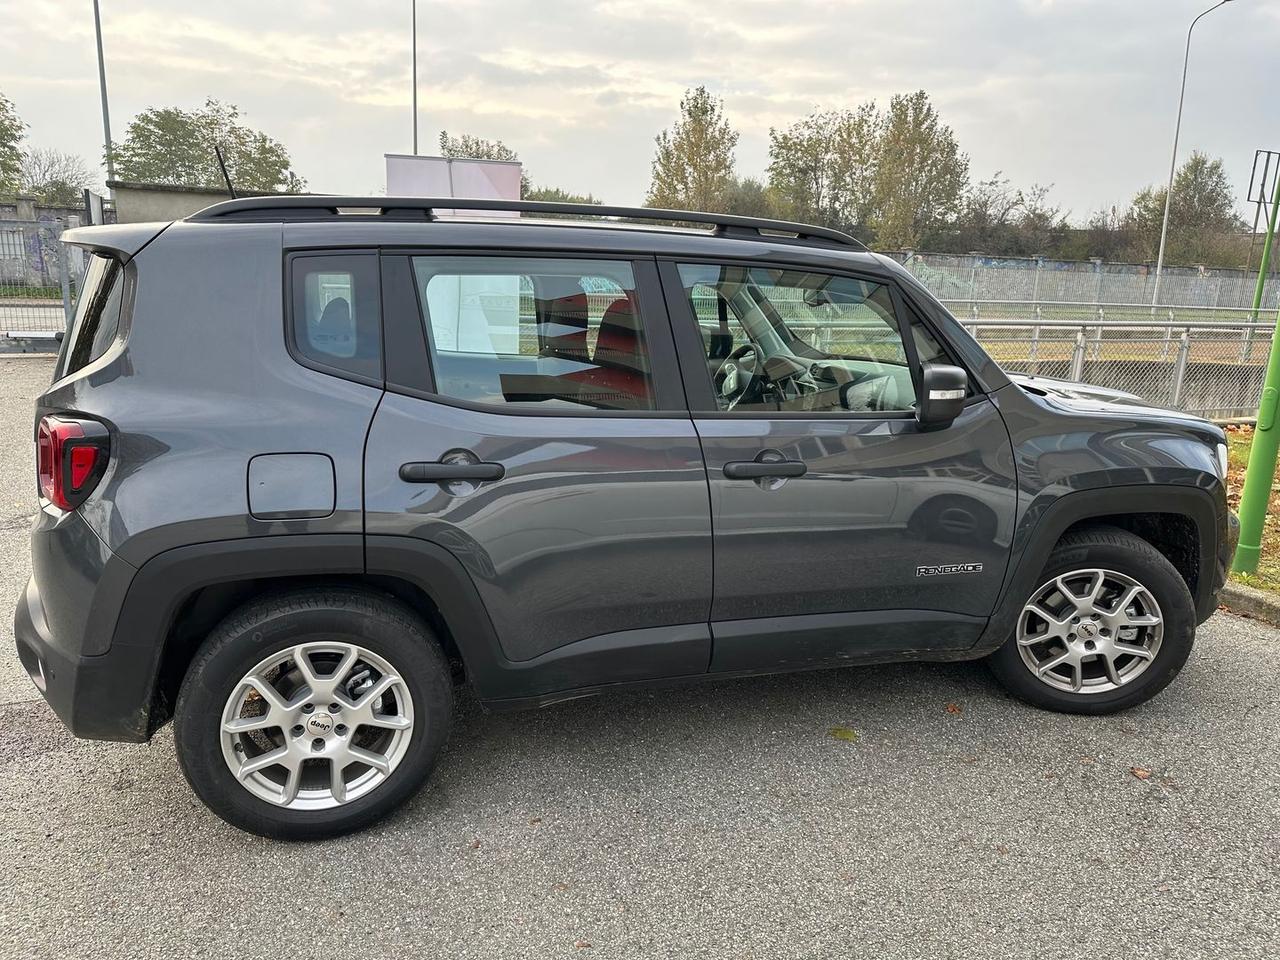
[1114,549]
[377,622]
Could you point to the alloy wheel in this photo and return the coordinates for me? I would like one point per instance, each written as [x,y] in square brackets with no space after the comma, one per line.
[1090,631]
[317,725]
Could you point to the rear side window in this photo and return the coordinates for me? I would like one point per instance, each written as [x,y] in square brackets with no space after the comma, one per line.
[97,317]
[335,318]
[549,334]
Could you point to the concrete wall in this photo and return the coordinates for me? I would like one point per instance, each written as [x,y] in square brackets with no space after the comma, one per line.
[142,202]
[31,210]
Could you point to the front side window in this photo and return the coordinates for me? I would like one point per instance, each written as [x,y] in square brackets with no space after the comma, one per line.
[549,334]
[796,340]
[336,320]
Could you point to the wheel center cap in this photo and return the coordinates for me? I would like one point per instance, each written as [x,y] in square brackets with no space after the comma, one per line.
[319,724]
[1087,630]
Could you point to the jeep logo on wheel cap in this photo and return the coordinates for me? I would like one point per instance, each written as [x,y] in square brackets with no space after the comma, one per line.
[319,723]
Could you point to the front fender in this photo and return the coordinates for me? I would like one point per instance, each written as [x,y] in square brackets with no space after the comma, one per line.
[1042,526]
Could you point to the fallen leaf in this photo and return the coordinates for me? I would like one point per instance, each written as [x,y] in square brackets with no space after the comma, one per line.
[475,844]
[1001,849]
[1142,773]
[954,708]
[582,944]
[843,733]
[535,819]
[561,887]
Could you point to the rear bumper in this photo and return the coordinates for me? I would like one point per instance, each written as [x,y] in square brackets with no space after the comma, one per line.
[65,626]
[105,697]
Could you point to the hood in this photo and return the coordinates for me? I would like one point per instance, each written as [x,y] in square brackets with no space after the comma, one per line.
[1071,390]
[1087,398]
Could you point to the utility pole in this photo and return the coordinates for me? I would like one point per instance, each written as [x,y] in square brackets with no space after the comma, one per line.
[1260,473]
[1173,162]
[414,3]
[102,85]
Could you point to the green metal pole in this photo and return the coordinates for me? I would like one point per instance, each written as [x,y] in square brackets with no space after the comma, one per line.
[1260,473]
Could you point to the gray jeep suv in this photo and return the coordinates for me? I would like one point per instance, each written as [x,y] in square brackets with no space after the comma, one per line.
[307,463]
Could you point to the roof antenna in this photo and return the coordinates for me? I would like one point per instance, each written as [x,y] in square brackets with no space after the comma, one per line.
[222,165]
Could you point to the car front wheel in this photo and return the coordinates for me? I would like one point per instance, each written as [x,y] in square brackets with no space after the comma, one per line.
[1109,626]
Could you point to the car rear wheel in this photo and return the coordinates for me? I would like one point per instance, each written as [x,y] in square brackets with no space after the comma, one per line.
[313,713]
[1109,626]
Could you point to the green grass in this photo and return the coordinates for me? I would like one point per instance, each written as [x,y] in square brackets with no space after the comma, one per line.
[30,293]
[1267,576]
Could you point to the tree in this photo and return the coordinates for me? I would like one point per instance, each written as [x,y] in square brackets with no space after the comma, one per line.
[12,130]
[1202,215]
[467,147]
[556,195]
[749,197]
[693,165]
[822,168]
[1041,226]
[173,146]
[921,175]
[998,219]
[54,178]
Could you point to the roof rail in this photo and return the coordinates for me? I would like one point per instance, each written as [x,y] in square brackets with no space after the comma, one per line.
[425,209]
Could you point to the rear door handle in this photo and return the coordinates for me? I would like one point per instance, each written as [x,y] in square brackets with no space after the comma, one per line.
[426,472]
[759,469]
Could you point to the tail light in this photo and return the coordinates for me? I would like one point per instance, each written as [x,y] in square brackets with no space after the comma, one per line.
[71,457]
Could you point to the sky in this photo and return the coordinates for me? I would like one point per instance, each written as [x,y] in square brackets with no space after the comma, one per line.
[1079,94]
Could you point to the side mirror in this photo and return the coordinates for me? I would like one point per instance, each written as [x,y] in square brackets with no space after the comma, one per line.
[943,389]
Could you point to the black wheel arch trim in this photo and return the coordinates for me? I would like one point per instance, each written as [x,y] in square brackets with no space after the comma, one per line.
[118,691]
[124,700]
[1041,534]
[126,703]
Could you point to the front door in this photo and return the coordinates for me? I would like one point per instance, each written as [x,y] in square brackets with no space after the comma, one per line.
[842,529]
[548,447]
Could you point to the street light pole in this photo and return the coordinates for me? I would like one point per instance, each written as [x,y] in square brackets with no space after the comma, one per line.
[102,85]
[1173,161]
[415,75]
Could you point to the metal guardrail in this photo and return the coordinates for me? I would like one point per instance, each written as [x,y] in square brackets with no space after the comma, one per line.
[1201,363]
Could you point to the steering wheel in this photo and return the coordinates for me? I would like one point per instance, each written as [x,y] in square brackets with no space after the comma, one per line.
[734,379]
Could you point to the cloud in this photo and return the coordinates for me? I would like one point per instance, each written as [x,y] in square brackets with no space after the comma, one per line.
[1079,93]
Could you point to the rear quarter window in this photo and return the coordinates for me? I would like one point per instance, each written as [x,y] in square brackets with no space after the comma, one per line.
[335,315]
[97,318]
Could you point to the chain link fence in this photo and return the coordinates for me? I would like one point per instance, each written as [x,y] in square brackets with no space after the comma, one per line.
[976,278]
[1206,356]
[38,278]
[1199,359]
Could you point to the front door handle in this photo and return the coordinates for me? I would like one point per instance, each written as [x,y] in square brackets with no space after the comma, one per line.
[762,469]
[426,472]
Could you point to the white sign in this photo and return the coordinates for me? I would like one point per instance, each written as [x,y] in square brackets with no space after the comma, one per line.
[409,176]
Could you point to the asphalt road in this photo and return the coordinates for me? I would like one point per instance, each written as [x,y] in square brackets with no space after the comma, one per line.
[722,820]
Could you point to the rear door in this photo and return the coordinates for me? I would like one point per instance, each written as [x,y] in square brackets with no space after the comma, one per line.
[535,426]
[842,528]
